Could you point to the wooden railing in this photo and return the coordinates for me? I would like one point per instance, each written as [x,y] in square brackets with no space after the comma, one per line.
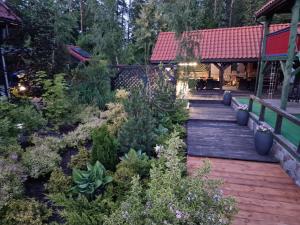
[279,112]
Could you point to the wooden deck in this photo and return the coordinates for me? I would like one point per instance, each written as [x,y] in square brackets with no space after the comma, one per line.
[264,193]
[213,132]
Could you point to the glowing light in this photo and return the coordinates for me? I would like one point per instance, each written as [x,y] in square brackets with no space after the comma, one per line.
[168,69]
[22,88]
[188,64]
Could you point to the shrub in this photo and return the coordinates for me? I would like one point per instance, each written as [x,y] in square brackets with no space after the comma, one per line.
[80,160]
[87,182]
[104,148]
[138,132]
[82,211]
[91,85]
[40,160]
[83,132]
[132,164]
[173,198]
[17,119]
[12,176]
[59,108]
[29,212]
[58,182]
[116,117]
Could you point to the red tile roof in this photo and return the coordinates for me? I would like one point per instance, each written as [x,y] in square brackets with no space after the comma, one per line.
[7,15]
[216,45]
[272,6]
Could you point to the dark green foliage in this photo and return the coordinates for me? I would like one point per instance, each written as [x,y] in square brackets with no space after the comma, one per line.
[132,164]
[105,148]
[82,211]
[58,182]
[86,182]
[25,211]
[91,84]
[80,160]
[59,109]
[138,132]
[16,119]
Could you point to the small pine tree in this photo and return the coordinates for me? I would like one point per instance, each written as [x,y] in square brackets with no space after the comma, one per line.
[138,132]
[105,148]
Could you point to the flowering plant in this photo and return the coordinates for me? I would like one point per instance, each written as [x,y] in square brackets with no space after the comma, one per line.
[243,107]
[263,128]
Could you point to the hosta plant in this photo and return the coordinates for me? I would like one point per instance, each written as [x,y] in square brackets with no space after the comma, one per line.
[87,182]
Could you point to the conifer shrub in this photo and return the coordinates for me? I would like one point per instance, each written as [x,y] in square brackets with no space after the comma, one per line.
[139,130]
[58,182]
[105,148]
[25,211]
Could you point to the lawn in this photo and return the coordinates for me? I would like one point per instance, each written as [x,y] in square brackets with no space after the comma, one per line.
[289,130]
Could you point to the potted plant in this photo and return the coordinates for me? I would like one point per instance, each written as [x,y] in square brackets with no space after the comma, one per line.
[227,98]
[263,140]
[242,115]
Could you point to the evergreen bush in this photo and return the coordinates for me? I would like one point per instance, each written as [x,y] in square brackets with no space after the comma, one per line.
[105,148]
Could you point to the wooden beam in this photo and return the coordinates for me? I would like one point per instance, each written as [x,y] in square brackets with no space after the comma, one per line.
[263,62]
[291,55]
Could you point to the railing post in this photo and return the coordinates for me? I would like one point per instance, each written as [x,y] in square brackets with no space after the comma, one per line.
[250,105]
[278,124]
[262,113]
[298,150]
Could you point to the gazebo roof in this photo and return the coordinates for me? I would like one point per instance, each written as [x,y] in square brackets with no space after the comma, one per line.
[275,6]
[237,44]
[7,15]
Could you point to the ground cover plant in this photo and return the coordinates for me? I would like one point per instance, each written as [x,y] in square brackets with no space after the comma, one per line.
[123,165]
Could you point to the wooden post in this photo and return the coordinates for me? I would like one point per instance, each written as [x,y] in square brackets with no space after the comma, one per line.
[278,124]
[263,61]
[221,67]
[291,55]
[262,113]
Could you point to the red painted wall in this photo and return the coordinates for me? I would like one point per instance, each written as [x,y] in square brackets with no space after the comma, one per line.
[277,43]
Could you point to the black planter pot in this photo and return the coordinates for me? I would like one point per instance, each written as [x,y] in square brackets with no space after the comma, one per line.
[263,142]
[242,117]
[227,98]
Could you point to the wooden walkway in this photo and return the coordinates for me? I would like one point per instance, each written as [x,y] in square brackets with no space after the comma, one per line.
[265,194]
[213,132]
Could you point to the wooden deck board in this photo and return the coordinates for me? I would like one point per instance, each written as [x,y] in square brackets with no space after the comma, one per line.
[264,193]
[213,132]
[222,140]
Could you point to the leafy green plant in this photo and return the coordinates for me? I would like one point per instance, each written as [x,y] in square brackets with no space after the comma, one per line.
[59,108]
[39,160]
[88,181]
[58,182]
[12,176]
[132,164]
[171,197]
[104,148]
[80,160]
[17,119]
[25,211]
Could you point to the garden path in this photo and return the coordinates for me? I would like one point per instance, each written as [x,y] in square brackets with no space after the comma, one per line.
[213,132]
[265,194]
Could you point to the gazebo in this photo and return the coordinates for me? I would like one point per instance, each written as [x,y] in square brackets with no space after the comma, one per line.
[220,47]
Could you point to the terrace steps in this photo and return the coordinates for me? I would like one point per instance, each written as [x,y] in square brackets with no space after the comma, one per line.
[265,194]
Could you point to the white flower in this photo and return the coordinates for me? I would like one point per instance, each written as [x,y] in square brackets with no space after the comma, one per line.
[263,128]
[243,107]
